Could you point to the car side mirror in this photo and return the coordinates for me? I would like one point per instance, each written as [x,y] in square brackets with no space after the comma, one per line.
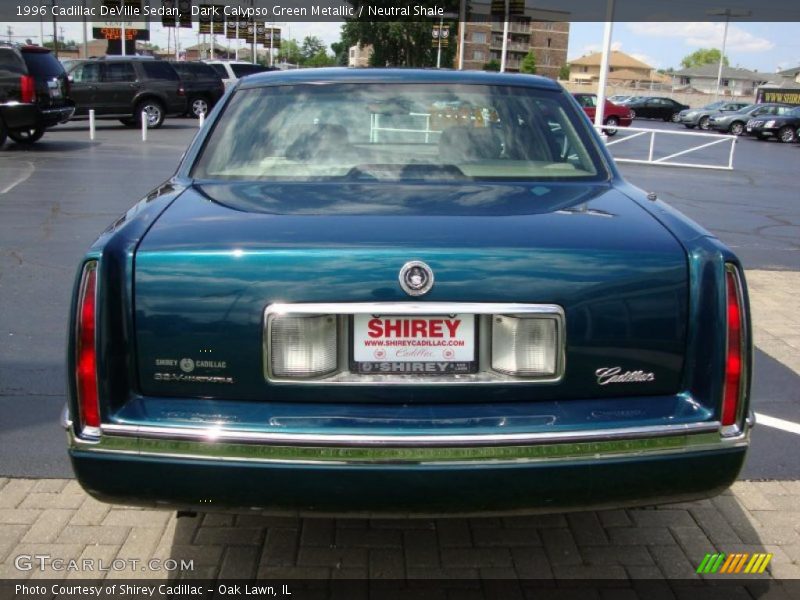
[70,78]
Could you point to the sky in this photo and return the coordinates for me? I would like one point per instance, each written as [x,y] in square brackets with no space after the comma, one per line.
[765,47]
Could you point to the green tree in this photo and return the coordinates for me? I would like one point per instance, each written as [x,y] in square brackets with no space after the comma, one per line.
[703,56]
[341,53]
[290,52]
[311,48]
[400,43]
[563,72]
[320,59]
[492,65]
[528,64]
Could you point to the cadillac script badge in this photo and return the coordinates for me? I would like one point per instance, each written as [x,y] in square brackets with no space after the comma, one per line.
[416,278]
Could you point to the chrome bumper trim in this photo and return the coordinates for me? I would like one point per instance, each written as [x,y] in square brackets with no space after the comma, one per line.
[219,434]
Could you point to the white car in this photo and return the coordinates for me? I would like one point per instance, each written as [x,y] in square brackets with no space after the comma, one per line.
[232,70]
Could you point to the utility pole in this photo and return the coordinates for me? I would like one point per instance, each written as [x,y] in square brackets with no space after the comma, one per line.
[122,32]
[10,32]
[462,24]
[55,29]
[85,37]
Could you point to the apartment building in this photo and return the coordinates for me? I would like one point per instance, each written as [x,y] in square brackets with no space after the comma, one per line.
[483,42]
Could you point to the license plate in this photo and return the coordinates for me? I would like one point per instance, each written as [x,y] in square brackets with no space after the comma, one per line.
[749,129]
[418,344]
[54,89]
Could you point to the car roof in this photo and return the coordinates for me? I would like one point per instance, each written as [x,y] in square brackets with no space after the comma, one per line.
[356,75]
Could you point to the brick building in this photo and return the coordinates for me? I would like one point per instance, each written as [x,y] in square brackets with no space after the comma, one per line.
[483,42]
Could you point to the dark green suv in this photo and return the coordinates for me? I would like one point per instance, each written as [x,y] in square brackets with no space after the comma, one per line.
[125,87]
[34,93]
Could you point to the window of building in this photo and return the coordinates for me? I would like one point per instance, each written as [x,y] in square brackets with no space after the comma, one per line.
[478,55]
[478,37]
[585,70]
[549,41]
[726,83]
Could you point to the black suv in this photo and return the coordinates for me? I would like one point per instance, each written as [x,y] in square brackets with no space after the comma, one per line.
[119,87]
[34,93]
[202,84]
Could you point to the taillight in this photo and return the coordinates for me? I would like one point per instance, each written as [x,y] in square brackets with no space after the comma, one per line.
[27,86]
[735,356]
[86,352]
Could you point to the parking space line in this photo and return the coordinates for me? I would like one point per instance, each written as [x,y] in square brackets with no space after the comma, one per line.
[22,178]
[776,423]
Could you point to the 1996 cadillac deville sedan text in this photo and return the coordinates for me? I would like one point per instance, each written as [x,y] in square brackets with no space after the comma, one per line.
[405,291]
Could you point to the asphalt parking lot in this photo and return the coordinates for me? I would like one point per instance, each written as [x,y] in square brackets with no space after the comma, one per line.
[57,195]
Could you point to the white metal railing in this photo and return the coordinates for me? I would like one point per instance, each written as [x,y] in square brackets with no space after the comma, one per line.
[666,160]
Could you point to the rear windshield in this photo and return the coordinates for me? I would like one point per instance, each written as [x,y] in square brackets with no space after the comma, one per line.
[399,132]
[43,65]
[159,70]
[243,70]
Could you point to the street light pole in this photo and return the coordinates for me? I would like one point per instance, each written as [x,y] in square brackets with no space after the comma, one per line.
[439,45]
[504,51]
[599,114]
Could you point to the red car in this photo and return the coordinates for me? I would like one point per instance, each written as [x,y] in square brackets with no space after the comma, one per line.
[614,115]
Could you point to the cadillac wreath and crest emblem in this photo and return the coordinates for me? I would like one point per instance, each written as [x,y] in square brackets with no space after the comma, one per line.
[416,278]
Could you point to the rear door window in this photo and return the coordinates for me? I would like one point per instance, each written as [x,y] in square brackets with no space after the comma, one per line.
[117,72]
[43,65]
[220,70]
[159,70]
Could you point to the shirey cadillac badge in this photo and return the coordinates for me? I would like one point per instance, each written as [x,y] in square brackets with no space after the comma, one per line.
[416,278]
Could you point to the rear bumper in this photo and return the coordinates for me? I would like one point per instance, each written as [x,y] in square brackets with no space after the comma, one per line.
[26,116]
[492,474]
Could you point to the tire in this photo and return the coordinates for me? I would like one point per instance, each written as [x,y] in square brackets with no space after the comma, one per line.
[612,124]
[675,118]
[736,128]
[197,106]
[786,134]
[27,136]
[155,113]
[633,114]
[704,123]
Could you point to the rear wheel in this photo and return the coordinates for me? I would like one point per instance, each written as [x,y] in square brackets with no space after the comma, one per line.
[704,124]
[154,112]
[737,128]
[611,126]
[27,136]
[675,118]
[633,114]
[786,135]
[198,106]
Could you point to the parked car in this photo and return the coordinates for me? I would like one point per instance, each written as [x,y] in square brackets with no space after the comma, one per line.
[735,123]
[202,85]
[124,87]
[614,115]
[34,93]
[655,107]
[232,70]
[700,117]
[783,127]
[342,302]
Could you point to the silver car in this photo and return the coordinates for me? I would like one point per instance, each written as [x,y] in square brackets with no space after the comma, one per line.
[700,117]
